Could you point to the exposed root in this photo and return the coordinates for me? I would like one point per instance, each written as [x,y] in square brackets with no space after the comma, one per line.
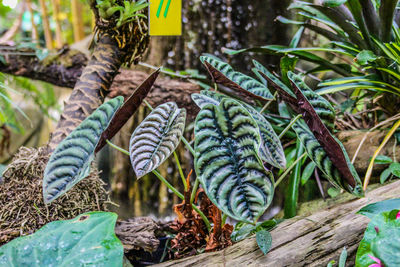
[22,210]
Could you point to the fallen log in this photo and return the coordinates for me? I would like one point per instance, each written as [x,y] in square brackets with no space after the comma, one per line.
[312,240]
[65,67]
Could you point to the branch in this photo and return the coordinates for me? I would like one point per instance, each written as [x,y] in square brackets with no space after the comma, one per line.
[64,69]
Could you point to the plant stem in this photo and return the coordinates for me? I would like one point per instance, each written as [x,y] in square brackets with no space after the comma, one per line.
[178,194]
[194,190]
[289,169]
[289,126]
[268,103]
[118,148]
[180,171]
[224,216]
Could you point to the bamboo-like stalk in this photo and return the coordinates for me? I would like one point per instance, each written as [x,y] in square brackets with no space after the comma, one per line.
[77,22]
[35,35]
[163,191]
[56,17]
[46,25]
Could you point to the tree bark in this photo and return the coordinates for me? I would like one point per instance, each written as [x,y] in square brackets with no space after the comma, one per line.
[312,240]
[66,67]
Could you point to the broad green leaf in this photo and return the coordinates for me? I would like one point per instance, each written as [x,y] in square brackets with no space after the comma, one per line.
[156,138]
[223,73]
[385,175]
[365,57]
[381,242]
[264,241]
[87,240]
[307,172]
[227,162]
[271,150]
[382,159]
[395,169]
[371,210]
[70,161]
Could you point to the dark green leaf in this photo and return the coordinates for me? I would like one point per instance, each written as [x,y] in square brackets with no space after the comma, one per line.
[333,3]
[227,162]
[307,172]
[70,161]
[381,242]
[87,240]
[264,241]
[381,159]
[242,231]
[386,14]
[156,138]
[374,209]
[395,169]
[385,175]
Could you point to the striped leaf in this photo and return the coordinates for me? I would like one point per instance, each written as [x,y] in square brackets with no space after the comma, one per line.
[271,150]
[70,161]
[223,73]
[227,162]
[322,107]
[156,138]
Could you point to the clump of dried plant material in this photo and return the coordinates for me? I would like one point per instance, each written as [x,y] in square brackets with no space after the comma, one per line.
[22,210]
[192,234]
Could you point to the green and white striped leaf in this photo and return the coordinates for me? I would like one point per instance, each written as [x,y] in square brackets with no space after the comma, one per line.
[227,162]
[271,150]
[156,138]
[318,155]
[224,74]
[70,161]
[321,106]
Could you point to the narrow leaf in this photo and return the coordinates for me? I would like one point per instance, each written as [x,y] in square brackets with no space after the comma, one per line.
[127,110]
[227,163]
[156,138]
[70,161]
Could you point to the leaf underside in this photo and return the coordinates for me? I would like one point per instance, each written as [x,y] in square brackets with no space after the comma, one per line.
[222,73]
[127,110]
[271,150]
[70,161]
[156,138]
[316,111]
[87,240]
[226,161]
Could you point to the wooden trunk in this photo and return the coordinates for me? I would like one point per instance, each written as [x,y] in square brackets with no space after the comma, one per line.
[312,240]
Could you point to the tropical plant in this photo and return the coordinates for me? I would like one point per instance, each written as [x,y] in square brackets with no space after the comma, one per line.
[88,239]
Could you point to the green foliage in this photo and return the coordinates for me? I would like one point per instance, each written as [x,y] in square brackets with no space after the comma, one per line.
[227,162]
[380,244]
[88,239]
[264,241]
[127,13]
[271,150]
[243,230]
[376,208]
[157,136]
[70,162]
[222,73]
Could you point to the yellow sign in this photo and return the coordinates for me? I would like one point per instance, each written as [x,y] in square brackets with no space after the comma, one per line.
[165,17]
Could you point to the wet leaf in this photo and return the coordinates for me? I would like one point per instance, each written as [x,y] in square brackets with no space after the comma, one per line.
[264,241]
[157,136]
[381,159]
[222,73]
[88,239]
[373,209]
[307,172]
[385,175]
[381,242]
[227,161]
[70,161]
[395,169]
